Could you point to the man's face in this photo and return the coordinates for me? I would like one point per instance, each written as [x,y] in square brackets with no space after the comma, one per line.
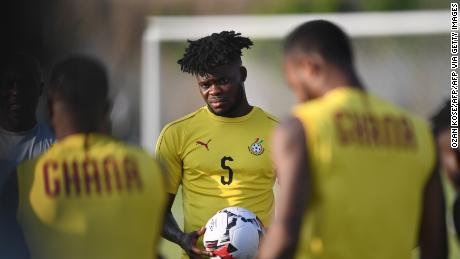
[296,78]
[222,89]
[19,94]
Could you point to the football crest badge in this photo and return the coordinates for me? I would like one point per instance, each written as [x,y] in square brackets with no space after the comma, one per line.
[256,148]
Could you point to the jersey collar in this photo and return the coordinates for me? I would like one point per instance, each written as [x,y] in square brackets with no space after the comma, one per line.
[227,119]
[80,139]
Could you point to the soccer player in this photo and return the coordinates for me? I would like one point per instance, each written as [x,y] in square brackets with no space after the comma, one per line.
[88,196]
[358,176]
[21,135]
[220,154]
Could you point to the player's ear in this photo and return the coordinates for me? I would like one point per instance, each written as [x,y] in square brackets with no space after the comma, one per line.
[244,73]
[309,66]
[316,63]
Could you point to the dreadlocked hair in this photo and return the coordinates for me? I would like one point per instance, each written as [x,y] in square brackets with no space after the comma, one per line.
[204,54]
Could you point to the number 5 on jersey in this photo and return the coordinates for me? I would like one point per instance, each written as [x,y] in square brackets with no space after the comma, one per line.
[226,167]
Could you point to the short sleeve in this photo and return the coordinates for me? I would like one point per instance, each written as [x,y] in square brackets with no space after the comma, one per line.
[167,152]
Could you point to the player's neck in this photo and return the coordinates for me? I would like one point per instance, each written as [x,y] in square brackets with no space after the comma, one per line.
[241,110]
[67,126]
[64,132]
[68,122]
[339,79]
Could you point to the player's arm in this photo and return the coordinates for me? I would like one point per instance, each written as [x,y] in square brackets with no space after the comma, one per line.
[166,151]
[290,158]
[173,233]
[12,240]
[171,230]
[432,237]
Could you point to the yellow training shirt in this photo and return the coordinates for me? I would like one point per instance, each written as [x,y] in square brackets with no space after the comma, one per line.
[369,162]
[91,196]
[220,162]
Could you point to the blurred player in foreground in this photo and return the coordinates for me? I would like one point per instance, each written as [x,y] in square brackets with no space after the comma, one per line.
[89,196]
[358,176]
[449,159]
[221,152]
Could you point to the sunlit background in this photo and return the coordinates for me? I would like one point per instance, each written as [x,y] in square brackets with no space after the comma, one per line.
[410,71]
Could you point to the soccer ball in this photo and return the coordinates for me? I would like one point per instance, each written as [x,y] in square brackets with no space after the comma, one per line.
[233,233]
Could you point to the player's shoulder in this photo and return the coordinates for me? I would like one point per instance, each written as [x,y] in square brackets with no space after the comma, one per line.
[145,160]
[182,122]
[416,119]
[112,145]
[420,124]
[129,154]
[125,150]
[267,116]
[316,108]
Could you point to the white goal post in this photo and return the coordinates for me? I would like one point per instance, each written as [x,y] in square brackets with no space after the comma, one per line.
[180,28]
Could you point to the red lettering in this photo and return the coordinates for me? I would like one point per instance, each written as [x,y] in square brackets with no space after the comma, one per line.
[387,127]
[132,174]
[110,167]
[71,179]
[373,129]
[52,192]
[91,175]
[409,134]
[360,128]
[76,175]
[398,132]
[368,129]
[340,127]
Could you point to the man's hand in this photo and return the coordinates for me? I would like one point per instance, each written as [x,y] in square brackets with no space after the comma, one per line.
[188,243]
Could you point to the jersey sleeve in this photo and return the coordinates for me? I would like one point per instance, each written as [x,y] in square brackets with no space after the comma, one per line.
[167,152]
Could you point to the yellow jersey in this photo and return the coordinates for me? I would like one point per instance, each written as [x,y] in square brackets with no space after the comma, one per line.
[370,162]
[220,162]
[90,196]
